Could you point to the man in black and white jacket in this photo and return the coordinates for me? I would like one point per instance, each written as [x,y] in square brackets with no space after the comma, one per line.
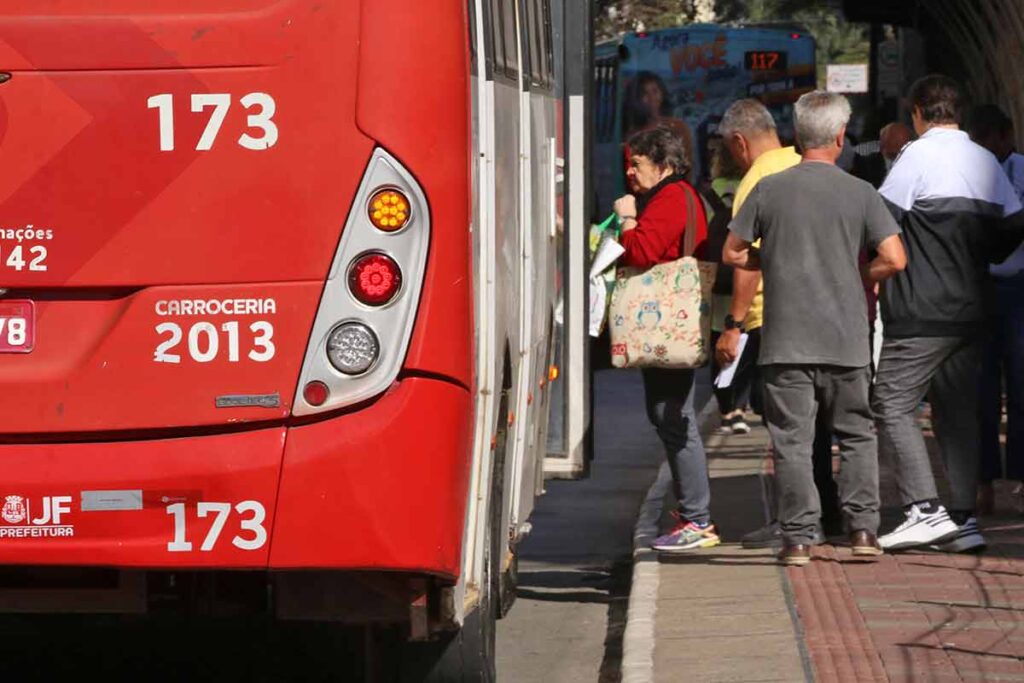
[958,213]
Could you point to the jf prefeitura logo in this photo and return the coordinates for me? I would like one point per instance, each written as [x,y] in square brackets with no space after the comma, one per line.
[50,522]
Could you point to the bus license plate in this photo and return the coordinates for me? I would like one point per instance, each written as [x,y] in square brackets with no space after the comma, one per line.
[17,326]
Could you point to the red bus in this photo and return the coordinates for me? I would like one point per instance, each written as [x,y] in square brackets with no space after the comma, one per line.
[287,293]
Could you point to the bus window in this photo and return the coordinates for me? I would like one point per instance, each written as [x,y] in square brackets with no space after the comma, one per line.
[536,78]
[510,40]
[472,33]
[539,22]
[546,49]
[497,37]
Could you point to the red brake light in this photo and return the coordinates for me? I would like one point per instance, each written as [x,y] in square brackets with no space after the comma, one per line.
[374,279]
[794,36]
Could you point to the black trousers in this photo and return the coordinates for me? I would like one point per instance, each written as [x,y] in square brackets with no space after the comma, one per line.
[745,388]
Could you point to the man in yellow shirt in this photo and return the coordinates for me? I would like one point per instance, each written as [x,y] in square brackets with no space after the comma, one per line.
[749,132]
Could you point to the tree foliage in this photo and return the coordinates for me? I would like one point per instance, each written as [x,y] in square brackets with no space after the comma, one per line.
[615,17]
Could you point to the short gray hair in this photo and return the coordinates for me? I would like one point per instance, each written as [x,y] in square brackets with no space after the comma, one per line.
[820,115]
[662,146]
[748,118]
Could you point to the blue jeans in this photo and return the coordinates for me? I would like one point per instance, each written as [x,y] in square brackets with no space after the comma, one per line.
[668,395]
[1003,368]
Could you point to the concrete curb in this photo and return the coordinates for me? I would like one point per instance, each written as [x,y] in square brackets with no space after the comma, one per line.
[638,639]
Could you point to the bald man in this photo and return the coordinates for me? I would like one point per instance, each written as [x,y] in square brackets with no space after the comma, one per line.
[893,138]
[874,167]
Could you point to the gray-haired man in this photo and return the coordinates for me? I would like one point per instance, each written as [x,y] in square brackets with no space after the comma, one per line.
[813,220]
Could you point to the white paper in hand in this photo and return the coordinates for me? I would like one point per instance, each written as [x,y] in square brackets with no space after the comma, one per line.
[725,375]
[608,252]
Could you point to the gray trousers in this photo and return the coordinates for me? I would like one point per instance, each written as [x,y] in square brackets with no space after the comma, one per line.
[668,395]
[947,370]
[794,395]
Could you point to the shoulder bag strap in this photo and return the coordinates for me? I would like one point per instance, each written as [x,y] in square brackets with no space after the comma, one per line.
[714,200]
[690,232]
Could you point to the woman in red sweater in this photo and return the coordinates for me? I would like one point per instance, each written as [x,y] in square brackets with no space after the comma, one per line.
[653,226]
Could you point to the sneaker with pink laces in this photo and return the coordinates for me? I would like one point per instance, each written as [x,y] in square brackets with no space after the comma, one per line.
[687,535]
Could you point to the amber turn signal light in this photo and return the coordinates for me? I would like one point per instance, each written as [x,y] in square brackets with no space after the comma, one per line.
[389,210]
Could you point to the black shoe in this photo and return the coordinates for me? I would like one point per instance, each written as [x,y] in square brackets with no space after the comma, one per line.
[770,536]
[832,525]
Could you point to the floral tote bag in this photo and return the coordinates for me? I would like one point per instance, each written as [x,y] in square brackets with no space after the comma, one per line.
[661,317]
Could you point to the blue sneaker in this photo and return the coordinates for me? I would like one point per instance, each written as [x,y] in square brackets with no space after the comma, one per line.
[687,536]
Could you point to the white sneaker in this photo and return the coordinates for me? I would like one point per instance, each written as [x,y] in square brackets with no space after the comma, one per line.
[967,540]
[921,528]
[740,427]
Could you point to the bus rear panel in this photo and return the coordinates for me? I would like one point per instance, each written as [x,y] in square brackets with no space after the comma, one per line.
[189,378]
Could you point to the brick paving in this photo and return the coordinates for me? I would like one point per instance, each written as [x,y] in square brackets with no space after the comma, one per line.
[918,616]
[835,632]
[910,616]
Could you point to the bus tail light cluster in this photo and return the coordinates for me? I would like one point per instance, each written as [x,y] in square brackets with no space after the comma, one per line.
[368,308]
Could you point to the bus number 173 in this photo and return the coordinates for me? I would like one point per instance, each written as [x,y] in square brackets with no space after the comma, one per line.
[261,119]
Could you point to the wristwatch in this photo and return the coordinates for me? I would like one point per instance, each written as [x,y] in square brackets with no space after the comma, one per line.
[731,324]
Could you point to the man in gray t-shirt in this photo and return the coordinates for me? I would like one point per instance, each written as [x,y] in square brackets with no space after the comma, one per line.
[813,221]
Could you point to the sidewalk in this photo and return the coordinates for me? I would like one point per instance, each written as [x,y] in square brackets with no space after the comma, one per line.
[733,615]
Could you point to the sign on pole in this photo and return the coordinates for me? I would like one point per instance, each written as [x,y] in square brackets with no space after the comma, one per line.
[847,78]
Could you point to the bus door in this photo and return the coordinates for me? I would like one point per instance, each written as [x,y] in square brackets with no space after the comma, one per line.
[569,436]
[543,254]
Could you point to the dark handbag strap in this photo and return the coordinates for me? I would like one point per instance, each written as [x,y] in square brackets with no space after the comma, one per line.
[712,198]
[690,232]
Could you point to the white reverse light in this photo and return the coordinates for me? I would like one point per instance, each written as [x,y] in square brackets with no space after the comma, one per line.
[352,348]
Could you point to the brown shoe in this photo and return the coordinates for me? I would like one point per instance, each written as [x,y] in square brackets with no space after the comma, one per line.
[865,544]
[796,555]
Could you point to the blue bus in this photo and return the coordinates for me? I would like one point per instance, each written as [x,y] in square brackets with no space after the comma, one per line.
[685,78]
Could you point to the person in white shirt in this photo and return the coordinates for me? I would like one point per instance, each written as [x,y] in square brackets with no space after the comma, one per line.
[959,214]
[1003,367]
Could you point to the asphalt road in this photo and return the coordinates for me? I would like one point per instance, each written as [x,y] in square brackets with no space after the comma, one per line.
[574,571]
